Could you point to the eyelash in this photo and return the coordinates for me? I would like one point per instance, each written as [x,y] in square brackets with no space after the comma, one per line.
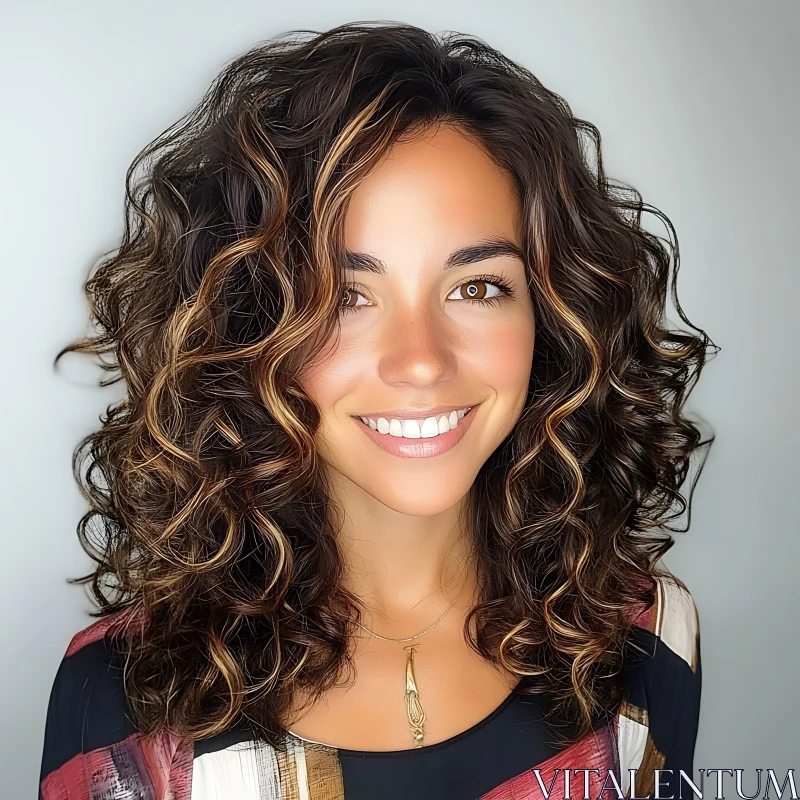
[505,292]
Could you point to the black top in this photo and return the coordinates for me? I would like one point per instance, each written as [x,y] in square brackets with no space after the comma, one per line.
[92,752]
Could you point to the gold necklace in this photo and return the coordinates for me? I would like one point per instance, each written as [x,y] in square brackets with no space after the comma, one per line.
[416,714]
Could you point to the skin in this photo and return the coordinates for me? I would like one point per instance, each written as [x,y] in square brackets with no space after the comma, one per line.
[414,342]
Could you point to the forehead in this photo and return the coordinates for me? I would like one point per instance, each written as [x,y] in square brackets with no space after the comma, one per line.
[436,192]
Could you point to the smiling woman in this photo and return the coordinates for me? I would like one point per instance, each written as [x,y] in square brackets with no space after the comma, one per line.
[378,515]
[424,336]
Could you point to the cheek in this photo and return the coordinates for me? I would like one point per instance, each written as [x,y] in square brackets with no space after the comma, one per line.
[503,355]
[336,373]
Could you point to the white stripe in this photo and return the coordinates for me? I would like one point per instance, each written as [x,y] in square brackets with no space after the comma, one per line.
[631,741]
[302,771]
[269,773]
[679,623]
[659,605]
[230,774]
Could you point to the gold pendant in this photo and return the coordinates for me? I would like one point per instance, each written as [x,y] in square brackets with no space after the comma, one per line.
[416,714]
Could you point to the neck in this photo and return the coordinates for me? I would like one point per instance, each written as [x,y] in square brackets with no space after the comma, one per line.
[405,570]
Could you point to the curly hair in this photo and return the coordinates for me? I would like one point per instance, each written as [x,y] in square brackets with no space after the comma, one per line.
[210,518]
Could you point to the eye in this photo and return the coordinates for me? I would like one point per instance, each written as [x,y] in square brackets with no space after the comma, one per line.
[488,289]
[350,302]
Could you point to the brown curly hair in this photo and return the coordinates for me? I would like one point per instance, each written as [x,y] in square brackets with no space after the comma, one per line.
[215,523]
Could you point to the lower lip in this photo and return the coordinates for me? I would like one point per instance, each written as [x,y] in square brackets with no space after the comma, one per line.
[419,448]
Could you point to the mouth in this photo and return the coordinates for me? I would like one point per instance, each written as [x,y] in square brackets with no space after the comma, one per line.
[417,427]
[419,437]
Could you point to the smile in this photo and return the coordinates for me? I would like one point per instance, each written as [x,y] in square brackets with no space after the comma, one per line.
[418,438]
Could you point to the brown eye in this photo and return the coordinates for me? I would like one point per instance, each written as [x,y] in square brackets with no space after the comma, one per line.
[350,302]
[474,290]
[487,290]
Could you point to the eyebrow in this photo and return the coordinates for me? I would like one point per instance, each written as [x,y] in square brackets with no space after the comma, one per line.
[471,254]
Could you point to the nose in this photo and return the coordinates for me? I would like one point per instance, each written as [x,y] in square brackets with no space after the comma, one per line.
[417,350]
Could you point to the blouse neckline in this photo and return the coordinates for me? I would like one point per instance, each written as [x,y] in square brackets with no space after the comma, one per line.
[416,750]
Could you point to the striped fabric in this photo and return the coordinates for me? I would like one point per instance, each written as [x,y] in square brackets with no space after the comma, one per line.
[92,752]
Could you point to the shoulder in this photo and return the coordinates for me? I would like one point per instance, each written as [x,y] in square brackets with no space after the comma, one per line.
[674,620]
[658,720]
[87,700]
[88,732]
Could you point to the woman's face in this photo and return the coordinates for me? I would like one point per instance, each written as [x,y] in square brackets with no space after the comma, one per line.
[428,329]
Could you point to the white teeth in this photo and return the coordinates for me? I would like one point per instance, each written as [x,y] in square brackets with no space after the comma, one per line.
[427,428]
[411,429]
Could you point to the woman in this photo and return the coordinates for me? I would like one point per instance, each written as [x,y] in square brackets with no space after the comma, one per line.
[376,515]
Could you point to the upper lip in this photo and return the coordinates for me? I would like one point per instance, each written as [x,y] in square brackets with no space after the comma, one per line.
[412,414]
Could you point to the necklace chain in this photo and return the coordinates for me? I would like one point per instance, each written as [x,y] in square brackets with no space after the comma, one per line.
[407,638]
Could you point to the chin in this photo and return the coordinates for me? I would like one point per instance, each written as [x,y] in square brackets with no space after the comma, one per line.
[429,499]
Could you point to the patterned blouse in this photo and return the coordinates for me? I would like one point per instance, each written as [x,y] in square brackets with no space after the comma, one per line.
[92,752]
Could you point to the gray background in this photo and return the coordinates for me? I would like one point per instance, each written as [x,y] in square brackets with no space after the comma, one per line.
[697,105]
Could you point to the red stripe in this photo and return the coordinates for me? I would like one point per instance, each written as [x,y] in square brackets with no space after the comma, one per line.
[153,767]
[596,751]
[98,630]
